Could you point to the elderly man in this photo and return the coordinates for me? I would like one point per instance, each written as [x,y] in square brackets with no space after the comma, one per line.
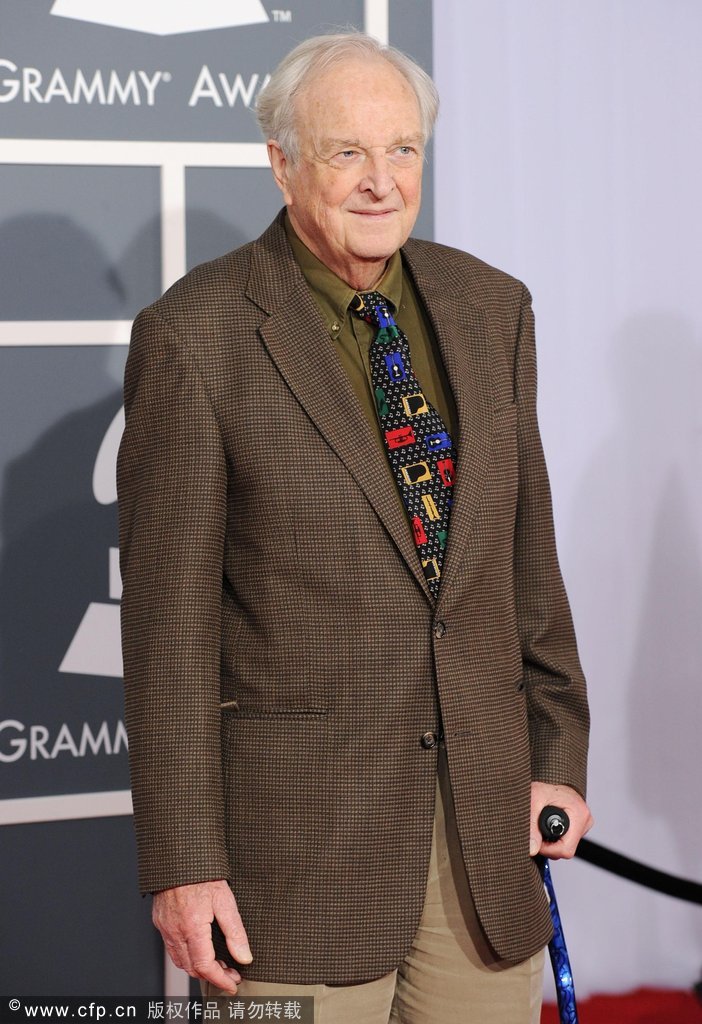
[352,682]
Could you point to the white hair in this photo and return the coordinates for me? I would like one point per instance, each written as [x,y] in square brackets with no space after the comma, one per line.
[275,106]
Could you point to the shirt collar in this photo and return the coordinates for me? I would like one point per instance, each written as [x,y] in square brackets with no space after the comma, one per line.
[334,295]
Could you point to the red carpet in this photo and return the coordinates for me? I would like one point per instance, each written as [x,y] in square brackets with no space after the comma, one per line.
[645,1006]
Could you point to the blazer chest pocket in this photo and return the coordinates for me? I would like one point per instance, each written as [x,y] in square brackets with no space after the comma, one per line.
[504,418]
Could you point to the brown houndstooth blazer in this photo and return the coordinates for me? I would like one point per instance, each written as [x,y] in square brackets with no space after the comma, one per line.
[283,655]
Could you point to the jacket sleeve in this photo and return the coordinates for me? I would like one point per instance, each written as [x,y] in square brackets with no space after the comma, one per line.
[554,682]
[171,480]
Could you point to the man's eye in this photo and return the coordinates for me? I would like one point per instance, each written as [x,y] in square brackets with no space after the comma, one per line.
[403,154]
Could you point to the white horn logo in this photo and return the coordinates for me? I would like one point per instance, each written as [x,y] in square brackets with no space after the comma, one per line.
[95,648]
[163,17]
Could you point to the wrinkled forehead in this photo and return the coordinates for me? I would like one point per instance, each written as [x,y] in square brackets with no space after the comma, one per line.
[354,95]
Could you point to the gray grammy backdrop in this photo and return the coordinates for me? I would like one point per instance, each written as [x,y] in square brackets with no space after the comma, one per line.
[84,211]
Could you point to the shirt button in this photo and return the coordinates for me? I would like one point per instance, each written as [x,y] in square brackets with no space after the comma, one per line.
[429,740]
[439,630]
[335,327]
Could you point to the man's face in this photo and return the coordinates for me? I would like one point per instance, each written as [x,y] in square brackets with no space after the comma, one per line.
[354,193]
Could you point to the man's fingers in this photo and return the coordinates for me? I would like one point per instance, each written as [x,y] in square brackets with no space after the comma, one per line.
[197,959]
[218,975]
[232,926]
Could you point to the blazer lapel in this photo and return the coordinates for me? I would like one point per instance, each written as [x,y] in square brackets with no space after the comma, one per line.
[462,334]
[300,347]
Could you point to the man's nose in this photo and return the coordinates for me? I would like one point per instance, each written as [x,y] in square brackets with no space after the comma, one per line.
[378,178]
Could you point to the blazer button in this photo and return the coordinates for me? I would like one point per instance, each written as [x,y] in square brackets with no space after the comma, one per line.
[429,740]
[439,630]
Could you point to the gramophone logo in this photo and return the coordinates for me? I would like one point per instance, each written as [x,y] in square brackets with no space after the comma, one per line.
[95,649]
[164,17]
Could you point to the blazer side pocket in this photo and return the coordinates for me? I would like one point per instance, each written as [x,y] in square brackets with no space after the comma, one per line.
[233,709]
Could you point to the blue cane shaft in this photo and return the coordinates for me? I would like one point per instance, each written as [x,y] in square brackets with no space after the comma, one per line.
[558,952]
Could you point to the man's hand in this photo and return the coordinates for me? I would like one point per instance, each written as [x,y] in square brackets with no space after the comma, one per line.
[581,821]
[184,916]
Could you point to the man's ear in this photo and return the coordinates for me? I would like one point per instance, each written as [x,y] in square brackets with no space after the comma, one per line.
[280,166]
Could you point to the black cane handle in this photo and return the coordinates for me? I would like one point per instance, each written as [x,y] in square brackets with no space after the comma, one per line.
[553,823]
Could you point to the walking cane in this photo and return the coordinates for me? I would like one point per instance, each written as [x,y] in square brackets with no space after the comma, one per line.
[553,825]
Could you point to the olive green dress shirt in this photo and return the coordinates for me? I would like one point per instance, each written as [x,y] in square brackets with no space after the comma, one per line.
[352,336]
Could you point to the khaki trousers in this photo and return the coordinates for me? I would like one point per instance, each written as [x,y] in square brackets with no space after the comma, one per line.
[450,974]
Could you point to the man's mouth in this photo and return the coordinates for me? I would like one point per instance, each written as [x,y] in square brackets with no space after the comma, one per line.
[373,213]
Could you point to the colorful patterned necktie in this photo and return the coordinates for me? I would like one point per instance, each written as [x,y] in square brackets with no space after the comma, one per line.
[421,452]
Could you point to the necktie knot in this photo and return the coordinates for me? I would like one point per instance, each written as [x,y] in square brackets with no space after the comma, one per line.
[374,308]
